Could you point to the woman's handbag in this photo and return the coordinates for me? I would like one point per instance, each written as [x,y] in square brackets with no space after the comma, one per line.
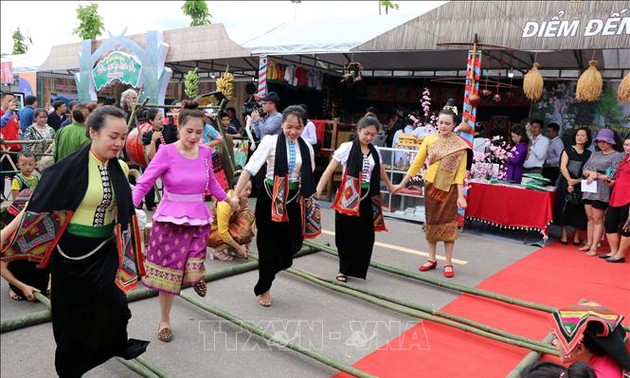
[241,229]
[573,198]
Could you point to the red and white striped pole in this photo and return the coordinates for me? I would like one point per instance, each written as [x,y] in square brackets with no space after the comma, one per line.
[262,77]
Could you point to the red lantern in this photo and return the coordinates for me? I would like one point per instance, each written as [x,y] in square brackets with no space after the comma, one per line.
[473,99]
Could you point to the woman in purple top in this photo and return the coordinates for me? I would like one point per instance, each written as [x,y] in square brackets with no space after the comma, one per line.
[181,222]
[518,155]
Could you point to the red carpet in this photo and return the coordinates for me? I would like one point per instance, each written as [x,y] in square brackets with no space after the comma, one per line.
[556,276]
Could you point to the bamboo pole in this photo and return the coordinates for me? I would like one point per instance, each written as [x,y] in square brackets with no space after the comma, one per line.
[422,315]
[23,321]
[448,285]
[430,311]
[152,367]
[529,359]
[273,338]
[137,367]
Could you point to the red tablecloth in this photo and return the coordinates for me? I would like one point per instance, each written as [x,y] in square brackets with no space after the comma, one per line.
[510,207]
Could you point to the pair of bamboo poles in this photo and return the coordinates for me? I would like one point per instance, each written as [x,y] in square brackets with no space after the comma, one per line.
[146,368]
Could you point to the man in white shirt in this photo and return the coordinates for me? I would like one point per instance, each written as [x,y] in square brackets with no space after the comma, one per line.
[538,148]
[551,169]
[310,133]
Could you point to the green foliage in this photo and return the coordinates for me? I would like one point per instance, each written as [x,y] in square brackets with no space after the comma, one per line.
[198,11]
[387,5]
[19,42]
[90,23]
[191,84]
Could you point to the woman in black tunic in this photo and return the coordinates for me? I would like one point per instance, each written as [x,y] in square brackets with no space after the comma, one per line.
[571,163]
[72,211]
[358,202]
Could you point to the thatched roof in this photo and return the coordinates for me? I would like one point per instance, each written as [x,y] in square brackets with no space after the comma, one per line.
[209,42]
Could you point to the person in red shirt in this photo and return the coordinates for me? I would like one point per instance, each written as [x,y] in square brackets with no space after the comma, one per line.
[9,130]
[617,214]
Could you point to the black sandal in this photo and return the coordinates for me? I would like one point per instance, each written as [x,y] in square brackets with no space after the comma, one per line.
[200,288]
[341,277]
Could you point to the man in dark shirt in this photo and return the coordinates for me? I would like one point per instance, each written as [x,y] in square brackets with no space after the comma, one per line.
[58,115]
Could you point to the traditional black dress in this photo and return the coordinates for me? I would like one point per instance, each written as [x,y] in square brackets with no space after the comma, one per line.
[565,214]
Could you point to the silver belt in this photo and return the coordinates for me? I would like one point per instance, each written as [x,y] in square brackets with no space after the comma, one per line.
[87,254]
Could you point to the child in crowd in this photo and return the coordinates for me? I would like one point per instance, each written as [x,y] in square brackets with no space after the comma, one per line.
[22,275]
[26,179]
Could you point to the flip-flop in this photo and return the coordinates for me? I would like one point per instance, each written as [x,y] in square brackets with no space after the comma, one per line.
[165,335]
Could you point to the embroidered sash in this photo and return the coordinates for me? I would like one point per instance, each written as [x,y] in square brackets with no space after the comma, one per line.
[447,152]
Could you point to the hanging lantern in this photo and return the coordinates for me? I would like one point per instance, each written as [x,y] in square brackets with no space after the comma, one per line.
[623,93]
[533,83]
[464,126]
[590,84]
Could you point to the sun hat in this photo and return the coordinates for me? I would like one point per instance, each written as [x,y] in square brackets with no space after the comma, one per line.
[606,135]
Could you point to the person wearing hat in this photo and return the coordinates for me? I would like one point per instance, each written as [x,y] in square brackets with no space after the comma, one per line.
[599,168]
[271,123]
[592,334]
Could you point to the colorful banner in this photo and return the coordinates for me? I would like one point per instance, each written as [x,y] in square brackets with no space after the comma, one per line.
[7,71]
[28,83]
[117,66]
[469,111]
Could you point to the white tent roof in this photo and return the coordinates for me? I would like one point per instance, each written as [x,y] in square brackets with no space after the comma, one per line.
[323,36]
[29,61]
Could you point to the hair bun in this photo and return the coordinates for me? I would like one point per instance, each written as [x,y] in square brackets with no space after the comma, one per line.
[450,106]
[190,104]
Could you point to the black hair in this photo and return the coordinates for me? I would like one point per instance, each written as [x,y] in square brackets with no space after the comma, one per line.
[30,100]
[26,154]
[77,113]
[305,107]
[151,113]
[295,110]
[96,119]
[538,121]
[231,109]
[57,104]
[5,94]
[223,114]
[546,369]
[190,109]
[450,109]
[554,126]
[520,130]
[368,121]
[589,136]
[38,111]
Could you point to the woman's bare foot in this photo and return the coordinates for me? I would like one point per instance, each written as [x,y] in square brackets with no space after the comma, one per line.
[264,299]
[15,296]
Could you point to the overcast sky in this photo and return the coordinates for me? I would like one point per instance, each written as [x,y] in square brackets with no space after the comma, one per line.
[51,23]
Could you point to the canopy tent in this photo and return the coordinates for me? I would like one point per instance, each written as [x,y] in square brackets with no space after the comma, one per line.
[31,61]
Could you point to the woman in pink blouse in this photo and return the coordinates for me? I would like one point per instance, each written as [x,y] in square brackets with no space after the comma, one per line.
[181,222]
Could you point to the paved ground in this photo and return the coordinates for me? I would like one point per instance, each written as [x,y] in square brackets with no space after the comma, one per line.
[312,316]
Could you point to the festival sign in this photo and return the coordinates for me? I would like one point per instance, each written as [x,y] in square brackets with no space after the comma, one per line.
[119,66]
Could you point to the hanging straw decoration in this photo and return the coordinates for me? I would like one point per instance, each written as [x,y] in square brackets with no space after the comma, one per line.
[533,83]
[623,94]
[590,84]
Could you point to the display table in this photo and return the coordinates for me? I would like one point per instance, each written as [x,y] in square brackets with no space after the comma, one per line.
[511,207]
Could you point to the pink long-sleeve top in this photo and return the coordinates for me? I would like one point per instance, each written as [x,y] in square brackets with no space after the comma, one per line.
[185,181]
